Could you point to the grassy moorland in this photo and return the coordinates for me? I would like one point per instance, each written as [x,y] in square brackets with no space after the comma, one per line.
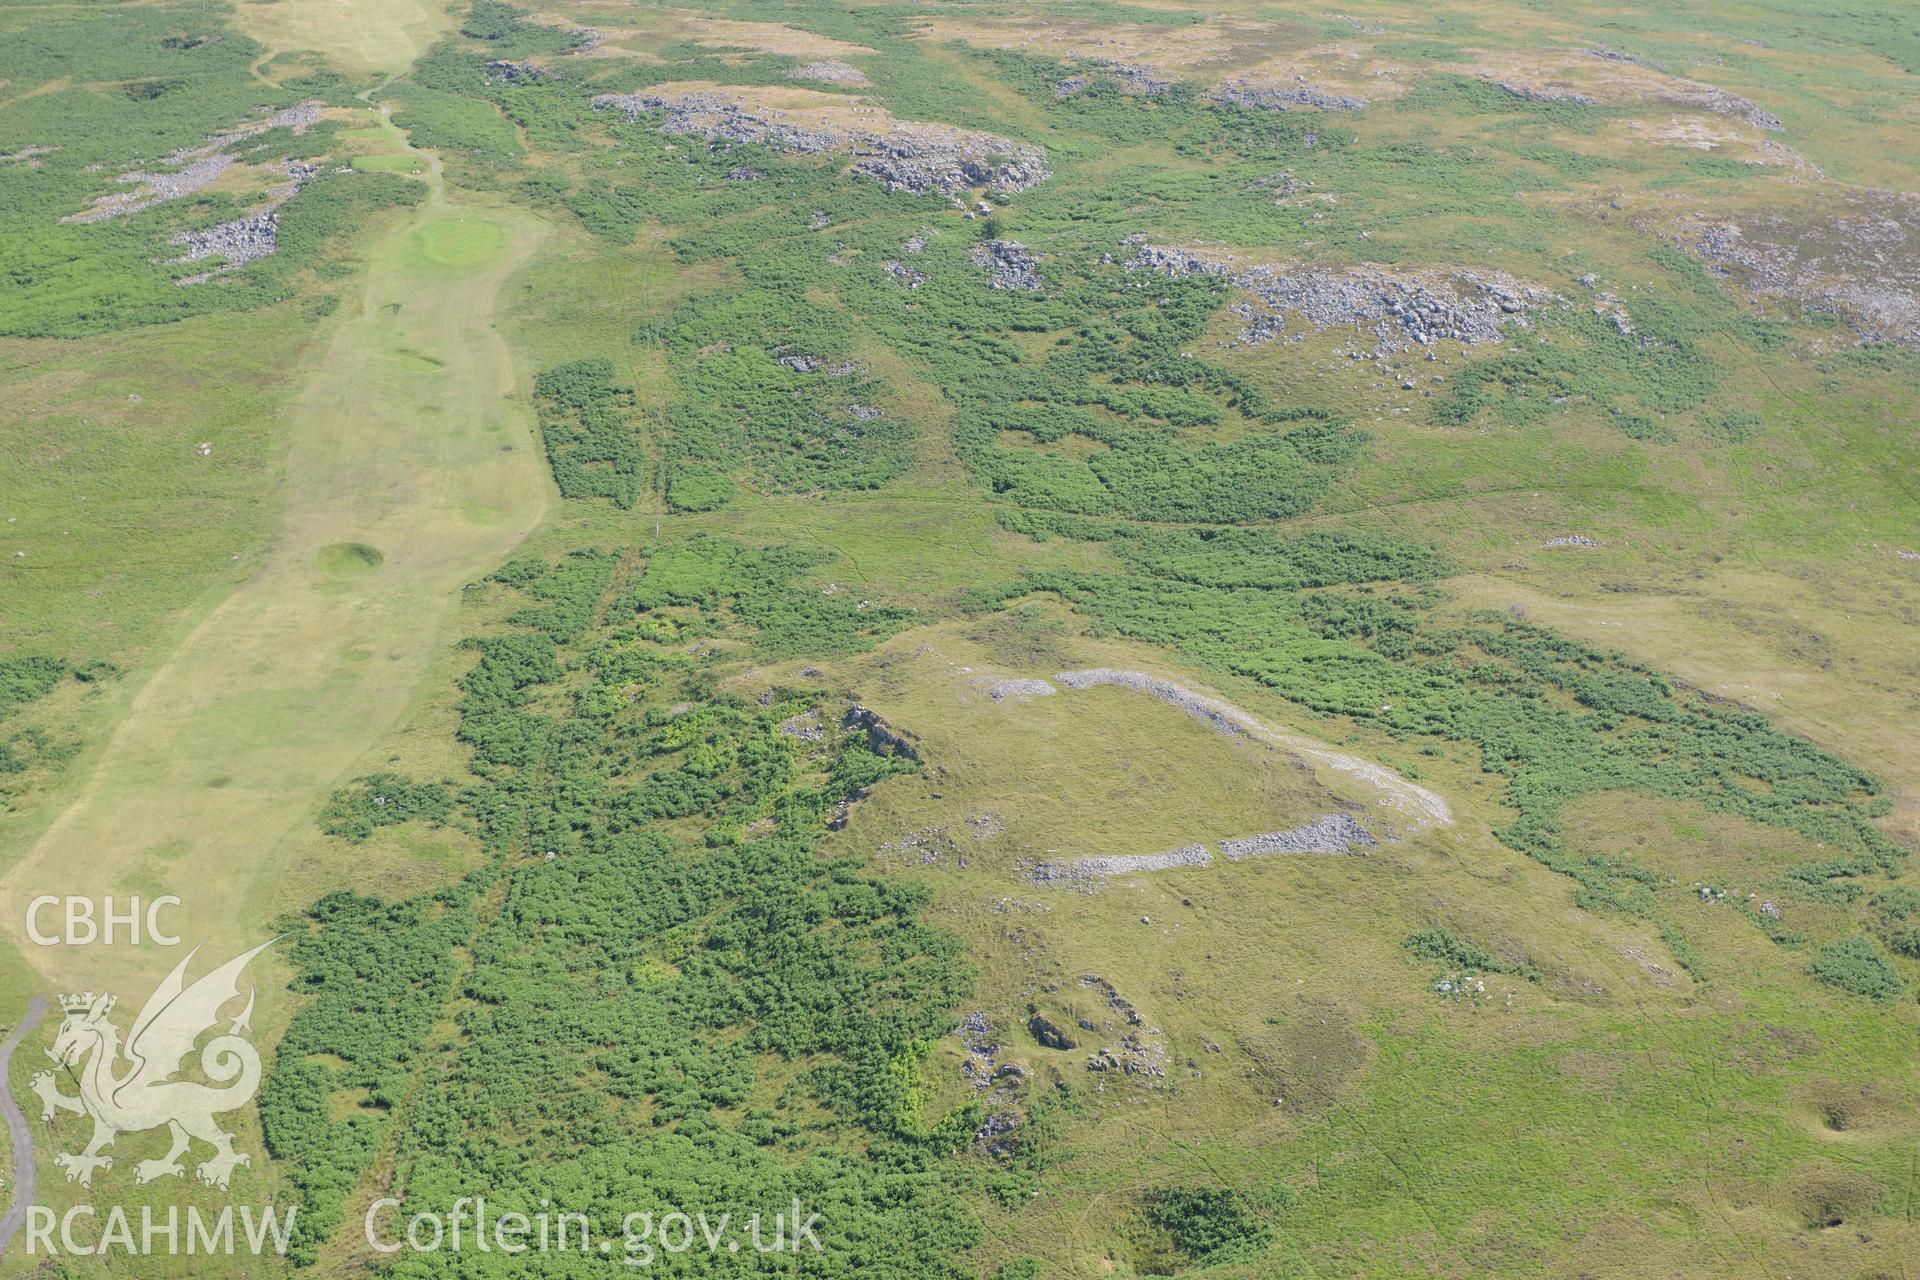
[601,897]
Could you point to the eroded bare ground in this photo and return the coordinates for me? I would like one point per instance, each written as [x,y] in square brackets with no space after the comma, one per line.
[1698,131]
[1854,252]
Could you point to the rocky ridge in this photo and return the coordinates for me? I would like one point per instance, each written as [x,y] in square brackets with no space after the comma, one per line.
[903,156]
[1402,309]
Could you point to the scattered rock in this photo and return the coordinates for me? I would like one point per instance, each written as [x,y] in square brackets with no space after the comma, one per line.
[1418,805]
[242,240]
[900,273]
[1401,309]
[1614,55]
[801,362]
[191,168]
[985,826]
[1569,76]
[1284,97]
[1859,259]
[806,726]
[1547,93]
[502,71]
[1138,81]
[1009,265]
[992,1135]
[902,155]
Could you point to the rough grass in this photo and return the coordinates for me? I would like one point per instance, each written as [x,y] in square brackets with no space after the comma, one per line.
[1672,1096]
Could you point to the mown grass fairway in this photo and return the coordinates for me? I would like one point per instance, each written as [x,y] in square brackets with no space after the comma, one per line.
[409,471]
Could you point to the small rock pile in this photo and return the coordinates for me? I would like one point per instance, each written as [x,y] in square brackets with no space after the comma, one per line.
[1009,265]
[240,241]
[515,72]
[928,848]
[806,727]
[900,273]
[801,362]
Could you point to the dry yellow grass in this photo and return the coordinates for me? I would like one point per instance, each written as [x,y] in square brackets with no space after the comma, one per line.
[361,37]
[1204,51]
[621,31]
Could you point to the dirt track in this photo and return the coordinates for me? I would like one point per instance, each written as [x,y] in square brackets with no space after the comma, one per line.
[19,1137]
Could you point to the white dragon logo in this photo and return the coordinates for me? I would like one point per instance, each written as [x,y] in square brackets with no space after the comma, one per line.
[146,1094]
